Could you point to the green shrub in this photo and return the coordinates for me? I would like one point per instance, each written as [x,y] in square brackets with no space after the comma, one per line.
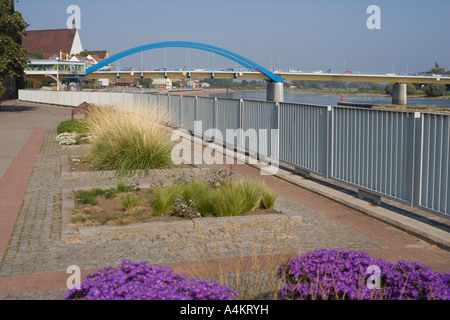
[113,192]
[78,126]
[110,193]
[97,191]
[78,219]
[163,198]
[200,193]
[122,187]
[227,202]
[231,199]
[410,89]
[86,197]
[129,201]
[268,198]
[235,198]
[434,90]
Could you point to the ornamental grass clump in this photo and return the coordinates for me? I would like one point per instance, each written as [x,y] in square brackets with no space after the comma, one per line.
[140,281]
[129,201]
[237,197]
[232,198]
[344,275]
[198,192]
[127,142]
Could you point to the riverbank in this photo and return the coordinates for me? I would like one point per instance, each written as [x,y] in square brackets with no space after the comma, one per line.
[382,101]
[201,91]
[413,108]
[362,94]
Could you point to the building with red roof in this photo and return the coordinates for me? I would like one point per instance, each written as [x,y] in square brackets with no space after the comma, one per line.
[53,42]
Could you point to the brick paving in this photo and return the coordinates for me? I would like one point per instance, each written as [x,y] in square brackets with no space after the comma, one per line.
[34,257]
[14,183]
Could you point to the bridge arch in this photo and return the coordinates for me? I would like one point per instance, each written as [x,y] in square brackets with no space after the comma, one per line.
[183,44]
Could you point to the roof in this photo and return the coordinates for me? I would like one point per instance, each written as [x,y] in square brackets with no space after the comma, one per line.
[82,58]
[49,42]
[102,54]
[95,57]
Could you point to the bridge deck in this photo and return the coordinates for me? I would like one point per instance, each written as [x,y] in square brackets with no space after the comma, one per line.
[252,75]
[261,76]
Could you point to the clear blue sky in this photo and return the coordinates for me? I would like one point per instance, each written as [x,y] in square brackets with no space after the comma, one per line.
[302,34]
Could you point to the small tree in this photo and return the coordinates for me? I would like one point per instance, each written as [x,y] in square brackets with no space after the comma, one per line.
[376,87]
[410,89]
[389,88]
[437,69]
[2,91]
[13,57]
[146,83]
[435,90]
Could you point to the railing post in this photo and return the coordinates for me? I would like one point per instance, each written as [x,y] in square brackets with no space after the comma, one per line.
[275,145]
[241,123]
[329,162]
[417,155]
[181,111]
[196,116]
[196,109]
[216,115]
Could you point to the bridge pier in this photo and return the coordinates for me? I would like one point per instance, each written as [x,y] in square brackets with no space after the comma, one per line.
[275,91]
[399,93]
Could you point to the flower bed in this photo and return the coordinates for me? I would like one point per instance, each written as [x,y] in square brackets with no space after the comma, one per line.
[139,281]
[322,274]
[124,205]
[68,139]
[343,275]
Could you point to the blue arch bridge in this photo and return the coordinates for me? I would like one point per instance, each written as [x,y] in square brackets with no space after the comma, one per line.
[56,70]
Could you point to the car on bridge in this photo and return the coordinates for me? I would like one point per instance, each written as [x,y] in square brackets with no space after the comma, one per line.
[228,69]
[161,69]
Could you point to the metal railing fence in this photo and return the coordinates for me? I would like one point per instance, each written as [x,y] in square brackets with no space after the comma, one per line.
[400,155]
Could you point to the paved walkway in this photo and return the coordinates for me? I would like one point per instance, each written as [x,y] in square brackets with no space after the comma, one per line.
[34,259]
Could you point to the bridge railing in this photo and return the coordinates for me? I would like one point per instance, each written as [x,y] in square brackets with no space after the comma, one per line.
[399,155]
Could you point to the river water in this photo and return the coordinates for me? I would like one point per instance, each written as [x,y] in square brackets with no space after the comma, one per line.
[330,100]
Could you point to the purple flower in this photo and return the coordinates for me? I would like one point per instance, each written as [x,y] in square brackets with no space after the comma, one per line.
[343,274]
[139,281]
